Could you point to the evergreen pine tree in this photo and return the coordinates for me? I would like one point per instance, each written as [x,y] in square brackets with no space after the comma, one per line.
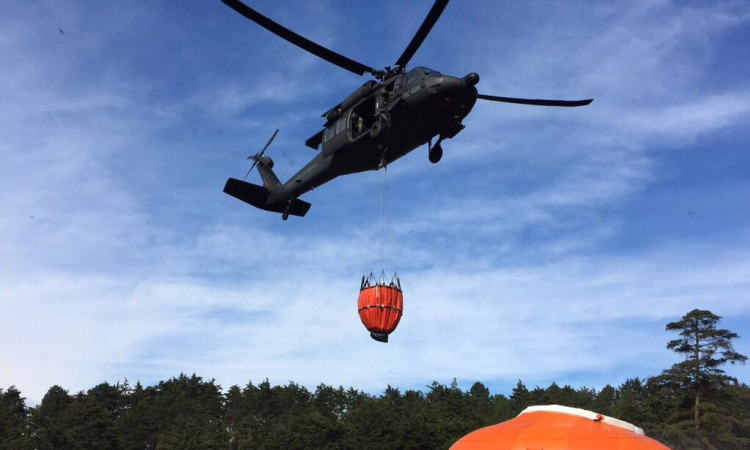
[706,348]
[14,421]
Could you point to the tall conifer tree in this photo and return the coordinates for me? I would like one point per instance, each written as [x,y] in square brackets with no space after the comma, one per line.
[706,348]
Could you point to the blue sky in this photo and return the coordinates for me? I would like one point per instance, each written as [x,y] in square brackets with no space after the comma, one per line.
[549,244]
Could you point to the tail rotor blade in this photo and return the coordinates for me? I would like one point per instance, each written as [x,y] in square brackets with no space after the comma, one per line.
[269,142]
[256,157]
[251,167]
[536,102]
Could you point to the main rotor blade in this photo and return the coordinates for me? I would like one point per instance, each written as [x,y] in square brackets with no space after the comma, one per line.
[538,102]
[424,30]
[302,42]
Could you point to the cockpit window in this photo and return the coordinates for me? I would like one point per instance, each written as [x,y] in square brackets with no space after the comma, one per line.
[412,75]
[418,72]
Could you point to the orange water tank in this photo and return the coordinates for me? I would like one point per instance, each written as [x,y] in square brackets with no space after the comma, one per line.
[554,427]
[380,307]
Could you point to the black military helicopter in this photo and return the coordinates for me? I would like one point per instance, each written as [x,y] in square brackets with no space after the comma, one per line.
[378,123]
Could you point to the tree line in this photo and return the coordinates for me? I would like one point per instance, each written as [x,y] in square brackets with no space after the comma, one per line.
[692,405]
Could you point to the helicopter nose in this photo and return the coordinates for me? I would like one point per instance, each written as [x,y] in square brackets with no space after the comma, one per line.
[471,79]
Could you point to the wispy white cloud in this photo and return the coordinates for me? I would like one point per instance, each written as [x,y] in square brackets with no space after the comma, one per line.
[566,315]
[118,246]
[688,120]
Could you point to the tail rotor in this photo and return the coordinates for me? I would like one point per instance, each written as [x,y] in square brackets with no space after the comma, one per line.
[258,156]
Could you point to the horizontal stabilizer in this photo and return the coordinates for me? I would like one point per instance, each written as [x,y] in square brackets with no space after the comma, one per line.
[258,196]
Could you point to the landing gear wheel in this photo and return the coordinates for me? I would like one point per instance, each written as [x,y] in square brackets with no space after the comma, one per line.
[285,215]
[377,127]
[435,154]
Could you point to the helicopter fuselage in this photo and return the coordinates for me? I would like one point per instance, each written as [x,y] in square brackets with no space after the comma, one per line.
[378,124]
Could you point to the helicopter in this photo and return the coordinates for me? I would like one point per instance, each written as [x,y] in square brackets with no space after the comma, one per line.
[384,119]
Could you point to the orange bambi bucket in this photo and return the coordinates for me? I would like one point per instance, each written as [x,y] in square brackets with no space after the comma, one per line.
[380,305]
